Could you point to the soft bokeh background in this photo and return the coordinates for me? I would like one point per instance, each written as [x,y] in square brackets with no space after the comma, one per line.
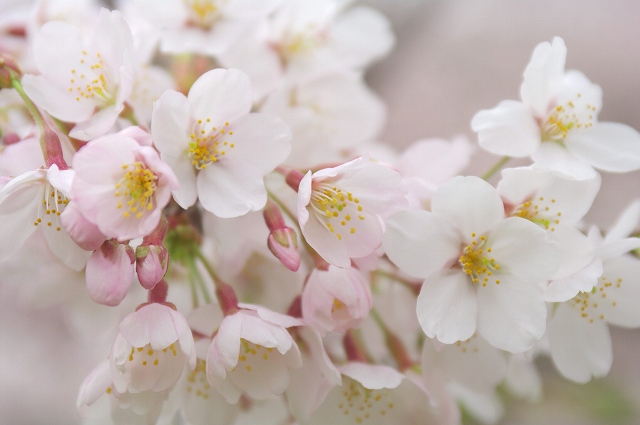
[453,58]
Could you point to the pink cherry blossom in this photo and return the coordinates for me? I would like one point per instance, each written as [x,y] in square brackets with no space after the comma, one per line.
[336,299]
[252,353]
[340,209]
[121,186]
[89,80]
[152,349]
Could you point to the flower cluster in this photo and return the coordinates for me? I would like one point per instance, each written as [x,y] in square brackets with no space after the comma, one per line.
[260,253]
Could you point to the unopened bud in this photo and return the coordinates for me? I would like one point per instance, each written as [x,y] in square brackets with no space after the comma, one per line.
[9,69]
[151,264]
[109,272]
[283,243]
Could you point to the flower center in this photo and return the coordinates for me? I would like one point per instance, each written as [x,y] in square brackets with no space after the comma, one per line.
[563,118]
[53,203]
[208,143]
[363,404]
[136,187]
[541,212]
[203,13]
[336,209]
[250,355]
[89,80]
[588,302]
[197,381]
[468,346]
[476,261]
[146,355]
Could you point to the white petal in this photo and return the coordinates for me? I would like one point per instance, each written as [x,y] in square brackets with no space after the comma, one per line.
[579,349]
[511,315]
[231,192]
[620,306]
[553,156]
[524,250]
[607,146]
[447,308]
[260,140]
[170,124]
[564,289]
[470,203]
[55,100]
[187,193]
[625,224]
[508,129]
[543,75]
[98,125]
[222,95]
[419,242]
[561,193]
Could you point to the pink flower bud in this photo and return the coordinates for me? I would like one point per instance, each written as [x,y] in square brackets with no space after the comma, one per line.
[109,273]
[151,264]
[283,243]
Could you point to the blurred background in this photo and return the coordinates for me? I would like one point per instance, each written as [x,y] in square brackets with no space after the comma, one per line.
[452,58]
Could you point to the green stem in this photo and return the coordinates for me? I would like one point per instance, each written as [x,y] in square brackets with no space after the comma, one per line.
[194,291]
[496,167]
[49,141]
[216,279]
[203,286]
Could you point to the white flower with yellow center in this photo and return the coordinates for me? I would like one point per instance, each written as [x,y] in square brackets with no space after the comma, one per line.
[579,338]
[121,186]
[252,353]
[340,209]
[151,350]
[482,271]
[375,395]
[34,201]
[89,80]
[219,151]
[557,121]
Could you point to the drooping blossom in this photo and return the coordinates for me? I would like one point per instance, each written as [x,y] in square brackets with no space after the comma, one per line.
[482,271]
[217,148]
[336,299]
[375,394]
[32,202]
[252,353]
[559,110]
[340,209]
[89,80]
[152,349]
[121,186]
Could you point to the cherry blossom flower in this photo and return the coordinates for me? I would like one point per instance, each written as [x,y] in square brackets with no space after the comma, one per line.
[252,353]
[121,186]
[482,272]
[558,109]
[219,151]
[556,202]
[89,80]
[151,350]
[33,202]
[340,209]
[336,299]
[374,394]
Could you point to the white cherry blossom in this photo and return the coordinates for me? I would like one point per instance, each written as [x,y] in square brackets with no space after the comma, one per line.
[558,108]
[217,148]
[482,272]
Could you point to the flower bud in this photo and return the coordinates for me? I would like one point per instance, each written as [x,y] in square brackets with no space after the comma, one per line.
[283,243]
[109,272]
[151,264]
